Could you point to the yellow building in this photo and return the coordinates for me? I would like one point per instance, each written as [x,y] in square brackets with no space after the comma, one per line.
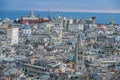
[4,26]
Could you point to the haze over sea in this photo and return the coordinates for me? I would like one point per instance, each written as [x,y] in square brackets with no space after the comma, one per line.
[103,18]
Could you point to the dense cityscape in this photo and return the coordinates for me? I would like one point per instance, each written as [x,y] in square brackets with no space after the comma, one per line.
[33,48]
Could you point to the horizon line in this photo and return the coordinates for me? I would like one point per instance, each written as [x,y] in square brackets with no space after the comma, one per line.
[86,11]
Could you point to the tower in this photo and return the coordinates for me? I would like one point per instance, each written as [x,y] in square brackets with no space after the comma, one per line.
[32,14]
[60,35]
[112,22]
[56,35]
[93,19]
[58,17]
[58,30]
[79,56]
[65,24]
[12,35]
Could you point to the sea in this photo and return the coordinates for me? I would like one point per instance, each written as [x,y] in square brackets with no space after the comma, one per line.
[102,18]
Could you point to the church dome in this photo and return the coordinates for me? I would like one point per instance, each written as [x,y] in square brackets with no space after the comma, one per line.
[58,16]
[100,32]
[26,26]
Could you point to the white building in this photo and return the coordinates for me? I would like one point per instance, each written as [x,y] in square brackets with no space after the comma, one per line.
[26,30]
[70,21]
[117,38]
[12,35]
[105,62]
[81,26]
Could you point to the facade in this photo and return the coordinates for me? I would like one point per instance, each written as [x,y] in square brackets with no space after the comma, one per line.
[108,49]
[93,20]
[33,69]
[79,57]
[117,52]
[26,30]
[79,61]
[110,39]
[70,21]
[48,27]
[65,24]
[12,35]
[57,32]
[32,19]
[90,56]
[105,62]
[57,36]
[81,27]
[117,39]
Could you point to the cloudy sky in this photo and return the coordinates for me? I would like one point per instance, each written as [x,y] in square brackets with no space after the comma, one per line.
[112,6]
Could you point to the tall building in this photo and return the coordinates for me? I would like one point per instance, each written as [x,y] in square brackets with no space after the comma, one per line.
[93,20]
[12,35]
[58,34]
[79,56]
[58,26]
[112,22]
[65,24]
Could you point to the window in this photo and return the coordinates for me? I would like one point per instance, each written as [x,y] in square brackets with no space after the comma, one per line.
[78,52]
[26,70]
[80,68]
[78,58]
[81,58]
[90,59]
[118,53]
[81,52]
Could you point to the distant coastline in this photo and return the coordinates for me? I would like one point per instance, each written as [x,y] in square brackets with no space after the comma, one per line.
[100,17]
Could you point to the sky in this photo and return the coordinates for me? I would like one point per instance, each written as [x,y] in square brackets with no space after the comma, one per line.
[109,6]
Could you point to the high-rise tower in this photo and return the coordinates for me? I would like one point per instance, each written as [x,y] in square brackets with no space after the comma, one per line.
[12,35]
[79,56]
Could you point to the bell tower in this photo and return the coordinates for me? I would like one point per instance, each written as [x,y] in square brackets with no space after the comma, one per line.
[79,56]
